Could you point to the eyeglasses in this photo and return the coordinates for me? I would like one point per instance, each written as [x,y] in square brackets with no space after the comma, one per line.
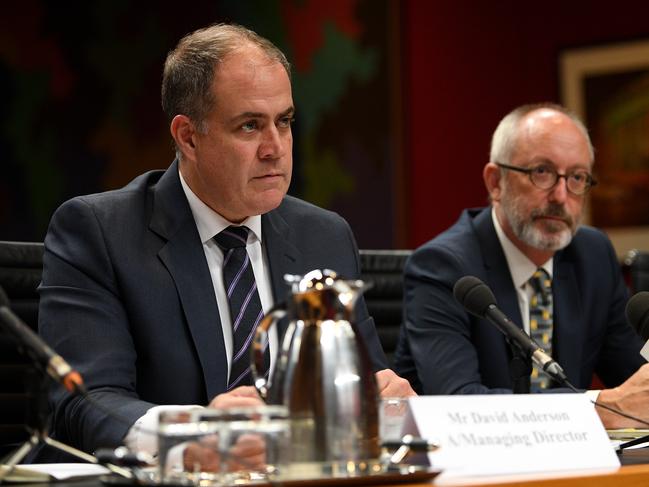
[546,177]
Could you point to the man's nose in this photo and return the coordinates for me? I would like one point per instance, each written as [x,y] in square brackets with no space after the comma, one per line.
[559,191]
[272,144]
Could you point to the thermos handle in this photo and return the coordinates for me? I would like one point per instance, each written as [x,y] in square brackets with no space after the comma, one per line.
[262,384]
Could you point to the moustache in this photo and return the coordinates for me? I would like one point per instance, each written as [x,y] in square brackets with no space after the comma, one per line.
[554,211]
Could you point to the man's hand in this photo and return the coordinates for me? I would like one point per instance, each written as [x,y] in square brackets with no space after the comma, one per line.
[631,397]
[391,385]
[248,452]
[243,396]
[202,455]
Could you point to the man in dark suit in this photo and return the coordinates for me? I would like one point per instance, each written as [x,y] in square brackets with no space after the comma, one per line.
[133,292]
[539,174]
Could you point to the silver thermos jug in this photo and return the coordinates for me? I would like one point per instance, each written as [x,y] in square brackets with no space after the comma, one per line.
[324,377]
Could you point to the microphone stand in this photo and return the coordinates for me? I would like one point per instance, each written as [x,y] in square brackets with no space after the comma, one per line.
[636,441]
[37,385]
[520,368]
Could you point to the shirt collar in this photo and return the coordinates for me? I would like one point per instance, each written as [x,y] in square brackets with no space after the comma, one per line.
[208,222]
[520,267]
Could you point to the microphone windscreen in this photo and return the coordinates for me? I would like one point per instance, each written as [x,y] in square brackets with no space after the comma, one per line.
[4,300]
[637,313]
[474,295]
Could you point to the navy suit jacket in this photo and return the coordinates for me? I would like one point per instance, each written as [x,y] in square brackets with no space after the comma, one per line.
[445,350]
[128,300]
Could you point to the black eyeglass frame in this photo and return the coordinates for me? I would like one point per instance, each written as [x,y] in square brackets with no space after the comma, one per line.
[590,180]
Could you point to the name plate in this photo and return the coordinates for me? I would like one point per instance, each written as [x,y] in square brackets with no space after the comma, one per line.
[513,434]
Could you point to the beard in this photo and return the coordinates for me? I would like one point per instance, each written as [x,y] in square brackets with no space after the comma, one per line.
[551,235]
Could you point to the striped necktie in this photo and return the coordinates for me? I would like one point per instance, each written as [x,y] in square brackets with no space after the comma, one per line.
[541,322]
[245,306]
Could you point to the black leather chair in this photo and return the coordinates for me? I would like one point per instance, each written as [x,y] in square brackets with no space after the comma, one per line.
[636,269]
[384,269]
[21,265]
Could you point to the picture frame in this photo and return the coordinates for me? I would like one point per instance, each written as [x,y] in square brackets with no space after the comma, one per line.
[607,86]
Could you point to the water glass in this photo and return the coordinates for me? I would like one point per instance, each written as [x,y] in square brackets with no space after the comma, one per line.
[180,434]
[393,412]
[252,444]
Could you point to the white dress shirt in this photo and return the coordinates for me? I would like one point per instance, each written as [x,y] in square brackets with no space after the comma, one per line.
[521,269]
[209,223]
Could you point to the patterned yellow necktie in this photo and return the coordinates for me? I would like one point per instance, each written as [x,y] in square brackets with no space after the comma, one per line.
[541,322]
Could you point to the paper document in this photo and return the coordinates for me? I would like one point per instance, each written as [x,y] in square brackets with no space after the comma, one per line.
[46,472]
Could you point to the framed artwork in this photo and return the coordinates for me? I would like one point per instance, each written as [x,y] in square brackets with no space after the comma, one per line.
[608,87]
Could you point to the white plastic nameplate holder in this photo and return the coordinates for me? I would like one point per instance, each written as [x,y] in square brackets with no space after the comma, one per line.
[513,434]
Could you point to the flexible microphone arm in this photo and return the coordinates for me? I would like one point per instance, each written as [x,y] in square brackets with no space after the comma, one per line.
[479,300]
[38,350]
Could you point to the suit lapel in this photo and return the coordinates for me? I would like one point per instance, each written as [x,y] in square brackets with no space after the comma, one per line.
[495,262]
[185,260]
[568,325]
[283,256]
[499,279]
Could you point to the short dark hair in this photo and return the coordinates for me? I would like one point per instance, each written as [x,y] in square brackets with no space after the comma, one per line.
[190,67]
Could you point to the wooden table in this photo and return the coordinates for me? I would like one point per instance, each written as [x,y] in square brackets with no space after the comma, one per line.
[628,475]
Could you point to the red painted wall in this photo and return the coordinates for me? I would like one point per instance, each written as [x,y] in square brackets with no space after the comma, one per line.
[466,64]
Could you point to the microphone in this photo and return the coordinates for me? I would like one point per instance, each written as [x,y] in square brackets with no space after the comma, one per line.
[480,301]
[637,313]
[38,350]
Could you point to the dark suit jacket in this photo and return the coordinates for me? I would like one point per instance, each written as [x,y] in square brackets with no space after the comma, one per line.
[128,300]
[444,350]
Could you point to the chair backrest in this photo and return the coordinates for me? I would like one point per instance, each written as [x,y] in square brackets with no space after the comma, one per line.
[384,269]
[21,267]
[636,269]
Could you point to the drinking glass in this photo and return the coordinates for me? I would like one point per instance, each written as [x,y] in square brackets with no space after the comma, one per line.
[252,444]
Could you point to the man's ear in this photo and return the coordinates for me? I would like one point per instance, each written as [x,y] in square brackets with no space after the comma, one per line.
[184,132]
[493,180]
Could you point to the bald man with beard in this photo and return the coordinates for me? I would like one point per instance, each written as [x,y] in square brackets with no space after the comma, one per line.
[539,173]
